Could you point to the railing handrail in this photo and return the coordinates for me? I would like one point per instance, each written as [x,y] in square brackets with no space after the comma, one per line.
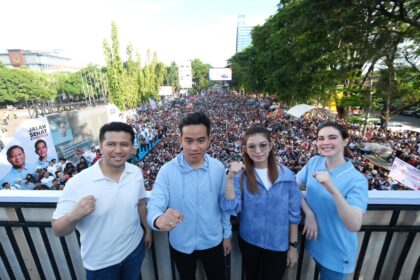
[375,197]
[20,226]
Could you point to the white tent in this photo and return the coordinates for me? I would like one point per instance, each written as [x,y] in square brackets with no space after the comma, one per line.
[299,110]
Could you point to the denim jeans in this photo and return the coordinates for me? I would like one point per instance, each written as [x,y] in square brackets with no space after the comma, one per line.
[328,274]
[128,269]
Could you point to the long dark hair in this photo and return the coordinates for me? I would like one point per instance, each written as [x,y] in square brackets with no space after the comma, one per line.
[343,132]
[273,171]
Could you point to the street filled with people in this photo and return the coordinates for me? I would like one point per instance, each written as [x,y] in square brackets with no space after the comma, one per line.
[294,139]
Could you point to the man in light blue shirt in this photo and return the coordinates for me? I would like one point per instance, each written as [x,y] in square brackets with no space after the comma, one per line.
[186,199]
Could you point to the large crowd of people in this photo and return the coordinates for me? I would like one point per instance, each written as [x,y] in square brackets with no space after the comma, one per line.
[293,139]
[216,156]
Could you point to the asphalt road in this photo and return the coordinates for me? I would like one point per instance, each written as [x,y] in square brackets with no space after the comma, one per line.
[413,123]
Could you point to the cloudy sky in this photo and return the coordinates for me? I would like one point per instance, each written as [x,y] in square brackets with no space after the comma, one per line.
[176,29]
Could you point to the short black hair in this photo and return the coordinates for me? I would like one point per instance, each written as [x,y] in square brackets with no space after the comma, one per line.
[9,151]
[117,127]
[40,141]
[195,118]
[5,183]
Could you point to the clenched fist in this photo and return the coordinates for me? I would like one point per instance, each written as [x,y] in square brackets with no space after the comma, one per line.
[84,208]
[169,220]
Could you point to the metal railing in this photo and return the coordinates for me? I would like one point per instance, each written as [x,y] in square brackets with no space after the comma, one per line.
[41,108]
[389,247]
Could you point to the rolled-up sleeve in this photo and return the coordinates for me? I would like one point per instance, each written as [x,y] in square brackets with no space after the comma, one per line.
[234,206]
[227,226]
[294,203]
[159,199]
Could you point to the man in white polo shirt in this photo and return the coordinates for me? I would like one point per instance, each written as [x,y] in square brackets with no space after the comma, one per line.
[105,202]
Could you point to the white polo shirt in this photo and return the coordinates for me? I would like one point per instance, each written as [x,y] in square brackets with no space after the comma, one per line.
[113,230]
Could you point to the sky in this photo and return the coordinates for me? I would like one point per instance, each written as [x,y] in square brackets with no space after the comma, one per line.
[177,30]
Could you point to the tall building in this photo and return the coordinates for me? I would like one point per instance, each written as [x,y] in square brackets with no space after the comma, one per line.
[243,34]
[46,61]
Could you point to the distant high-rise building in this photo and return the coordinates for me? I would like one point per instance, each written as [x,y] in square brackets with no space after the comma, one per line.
[47,61]
[243,34]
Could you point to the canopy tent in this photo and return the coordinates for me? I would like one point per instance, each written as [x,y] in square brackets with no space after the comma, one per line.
[378,161]
[384,152]
[299,110]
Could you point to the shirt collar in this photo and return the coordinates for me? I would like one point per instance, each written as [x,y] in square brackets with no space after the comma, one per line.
[188,167]
[339,170]
[98,175]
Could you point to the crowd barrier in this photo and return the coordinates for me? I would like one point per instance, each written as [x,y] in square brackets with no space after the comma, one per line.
[147,149]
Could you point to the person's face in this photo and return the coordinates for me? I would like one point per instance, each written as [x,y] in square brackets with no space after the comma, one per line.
[41,150]
[6,186]
[330,143]
[116,149]
[63,129]
[258,148]
[195,142]
[17,158]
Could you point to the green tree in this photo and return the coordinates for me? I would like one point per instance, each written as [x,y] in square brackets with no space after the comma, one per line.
[69,84]
[115,69]
[310,51]
[172,76]
[131,81]
[200,76]
[17,85]
[94,82]
[244,76]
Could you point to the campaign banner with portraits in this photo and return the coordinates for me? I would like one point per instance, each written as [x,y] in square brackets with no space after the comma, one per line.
[80,129]
[406,174]
[38,141]
[31,147]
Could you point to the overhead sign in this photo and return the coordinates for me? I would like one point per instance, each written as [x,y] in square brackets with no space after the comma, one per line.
[185,74]
[220,74]
[165,91]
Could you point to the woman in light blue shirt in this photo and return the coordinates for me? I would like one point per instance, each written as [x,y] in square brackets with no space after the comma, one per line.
[336,199]
[268,198]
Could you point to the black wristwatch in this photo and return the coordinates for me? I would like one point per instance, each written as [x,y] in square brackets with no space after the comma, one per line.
[154,223]
[294,244]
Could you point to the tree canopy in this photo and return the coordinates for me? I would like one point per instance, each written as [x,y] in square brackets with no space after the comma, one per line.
[326,50]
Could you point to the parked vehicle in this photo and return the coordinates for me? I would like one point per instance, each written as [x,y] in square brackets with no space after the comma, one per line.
[411,112]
